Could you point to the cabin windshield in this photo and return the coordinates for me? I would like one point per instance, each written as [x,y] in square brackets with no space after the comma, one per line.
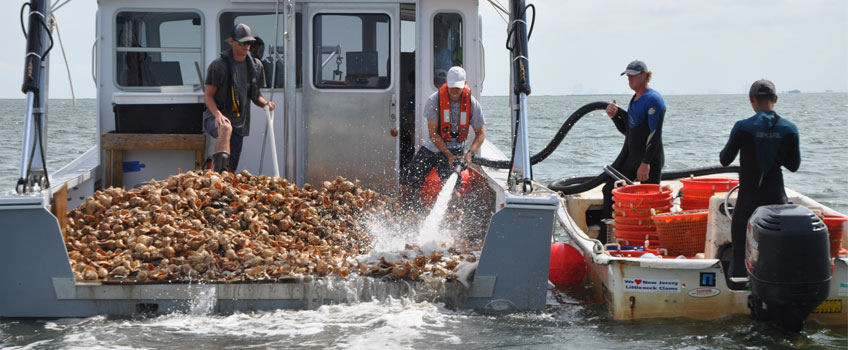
[447,45]
[352,51]
[262,25]
[157,48]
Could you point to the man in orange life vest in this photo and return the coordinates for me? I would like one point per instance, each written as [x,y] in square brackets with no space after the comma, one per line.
[450,113]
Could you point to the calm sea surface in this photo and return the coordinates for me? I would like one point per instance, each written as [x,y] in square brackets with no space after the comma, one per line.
[695,130]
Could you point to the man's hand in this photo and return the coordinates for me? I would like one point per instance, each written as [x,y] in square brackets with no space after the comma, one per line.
[468,156]
[451,158]
[643,172]
[612,109]
[271,105]
[220,119]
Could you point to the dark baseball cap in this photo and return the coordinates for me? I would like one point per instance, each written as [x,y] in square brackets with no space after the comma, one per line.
[241,32]
[762,87]
[635,67]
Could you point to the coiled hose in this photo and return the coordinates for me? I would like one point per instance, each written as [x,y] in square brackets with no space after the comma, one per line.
[554,143]
[577,184]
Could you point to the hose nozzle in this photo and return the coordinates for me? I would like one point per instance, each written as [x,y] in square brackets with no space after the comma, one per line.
[459,165]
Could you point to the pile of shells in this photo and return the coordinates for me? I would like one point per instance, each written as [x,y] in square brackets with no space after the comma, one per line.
[234,227]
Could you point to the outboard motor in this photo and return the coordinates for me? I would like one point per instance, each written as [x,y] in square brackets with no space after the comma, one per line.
[788,261]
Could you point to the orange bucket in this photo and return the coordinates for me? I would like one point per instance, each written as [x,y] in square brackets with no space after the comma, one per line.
[693,204]
[715,184]
[633,220]
[644,203]
[835,229]
[640,192]
[697,194]
[646,212]
[635,227]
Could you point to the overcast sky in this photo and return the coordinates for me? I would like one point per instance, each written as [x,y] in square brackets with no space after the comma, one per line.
[580,47]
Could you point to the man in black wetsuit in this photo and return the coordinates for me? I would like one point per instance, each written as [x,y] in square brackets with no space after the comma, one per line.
[765,142]
[641,158]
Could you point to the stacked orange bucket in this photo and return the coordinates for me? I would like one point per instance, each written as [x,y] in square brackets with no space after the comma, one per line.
[697,192]
[632,210]
[836,227]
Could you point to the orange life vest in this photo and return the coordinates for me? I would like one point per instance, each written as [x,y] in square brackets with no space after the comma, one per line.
[464,114]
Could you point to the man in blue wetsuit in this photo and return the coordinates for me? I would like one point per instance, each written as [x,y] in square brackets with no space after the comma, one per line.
[641,158]
[765,142]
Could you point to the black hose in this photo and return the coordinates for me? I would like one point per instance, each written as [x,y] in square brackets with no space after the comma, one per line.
[49,36]
[22,18]
[554,143]
[41,140]
[512,28]
[578,184]
[708,170]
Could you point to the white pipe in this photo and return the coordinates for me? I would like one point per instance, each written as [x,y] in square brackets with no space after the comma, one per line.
[290,100]
[29,134]
[524,142]
[273,86]
[270,115]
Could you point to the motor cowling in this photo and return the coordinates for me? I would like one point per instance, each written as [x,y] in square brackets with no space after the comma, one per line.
[788,263]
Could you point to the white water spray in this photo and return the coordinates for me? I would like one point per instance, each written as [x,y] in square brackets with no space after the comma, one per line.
[430,231]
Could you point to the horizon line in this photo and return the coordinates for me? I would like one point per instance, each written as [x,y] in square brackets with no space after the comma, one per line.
[544,95]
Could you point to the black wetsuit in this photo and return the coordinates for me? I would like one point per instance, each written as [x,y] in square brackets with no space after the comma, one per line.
[765,142]
[642,129]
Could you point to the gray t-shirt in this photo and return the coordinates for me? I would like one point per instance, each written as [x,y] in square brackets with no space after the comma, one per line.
[431,112]
[217,75]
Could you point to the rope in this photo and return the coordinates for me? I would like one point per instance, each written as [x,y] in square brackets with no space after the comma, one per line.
[54,23]
[501,10]
[55,7]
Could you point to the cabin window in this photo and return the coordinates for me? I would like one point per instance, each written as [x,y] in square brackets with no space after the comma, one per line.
[262,25]
[156,49]
[352,51]
[447,45]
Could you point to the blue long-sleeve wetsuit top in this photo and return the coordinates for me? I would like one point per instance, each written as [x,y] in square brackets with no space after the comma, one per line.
[642,127]
[765,142]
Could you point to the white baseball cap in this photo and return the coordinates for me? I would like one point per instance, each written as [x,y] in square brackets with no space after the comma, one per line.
[456,77]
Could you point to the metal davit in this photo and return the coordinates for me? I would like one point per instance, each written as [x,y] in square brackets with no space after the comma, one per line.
[33,168]
[513,269]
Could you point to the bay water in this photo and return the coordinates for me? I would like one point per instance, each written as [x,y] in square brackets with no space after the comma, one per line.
[696,128]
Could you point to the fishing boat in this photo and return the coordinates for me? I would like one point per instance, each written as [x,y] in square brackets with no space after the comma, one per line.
[340,99]
[638,282]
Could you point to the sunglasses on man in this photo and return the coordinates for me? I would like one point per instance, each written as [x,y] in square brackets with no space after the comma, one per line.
[243,43]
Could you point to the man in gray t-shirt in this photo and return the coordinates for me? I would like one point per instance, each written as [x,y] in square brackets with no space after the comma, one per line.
[232,82]
[448,123]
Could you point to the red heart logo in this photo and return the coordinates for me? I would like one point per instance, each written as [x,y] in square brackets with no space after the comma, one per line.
[638,282]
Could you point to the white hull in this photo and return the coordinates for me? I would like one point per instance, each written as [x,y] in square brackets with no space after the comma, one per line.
[669,287]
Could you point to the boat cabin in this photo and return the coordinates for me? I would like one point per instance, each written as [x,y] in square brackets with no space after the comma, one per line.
[348,79]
